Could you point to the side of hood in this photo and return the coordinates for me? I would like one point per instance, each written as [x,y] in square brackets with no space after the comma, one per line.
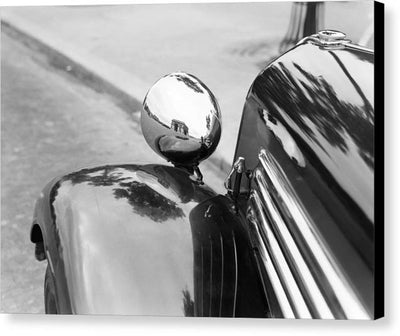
[312,111]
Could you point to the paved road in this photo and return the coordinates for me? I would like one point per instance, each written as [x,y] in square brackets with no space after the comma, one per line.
[50,124]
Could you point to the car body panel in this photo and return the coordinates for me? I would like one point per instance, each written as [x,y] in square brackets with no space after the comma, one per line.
[121,240]
[312,111]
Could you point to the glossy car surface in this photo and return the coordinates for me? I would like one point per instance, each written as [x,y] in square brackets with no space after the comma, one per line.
[307,135]
[143,240]
[294,235]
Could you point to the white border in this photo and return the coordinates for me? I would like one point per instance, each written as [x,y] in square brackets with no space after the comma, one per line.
[390,325]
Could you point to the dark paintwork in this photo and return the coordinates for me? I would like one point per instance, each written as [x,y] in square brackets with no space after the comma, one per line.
[222,252]
[312,109]
[136,240]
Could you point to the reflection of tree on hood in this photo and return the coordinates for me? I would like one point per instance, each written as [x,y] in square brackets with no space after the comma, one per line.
[310,97]
[104,176]
[147,202]
[144,200]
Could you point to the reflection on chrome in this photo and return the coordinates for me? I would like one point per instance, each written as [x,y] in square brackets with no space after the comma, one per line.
[286,289]
[181,119]
[300,270]
[298,229]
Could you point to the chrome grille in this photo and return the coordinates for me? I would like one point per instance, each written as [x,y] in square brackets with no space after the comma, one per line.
[216,274]
[307,282]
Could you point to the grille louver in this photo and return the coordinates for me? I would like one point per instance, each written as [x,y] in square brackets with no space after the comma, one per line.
[305,279]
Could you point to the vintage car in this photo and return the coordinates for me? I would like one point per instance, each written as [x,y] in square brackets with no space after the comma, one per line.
[293,237]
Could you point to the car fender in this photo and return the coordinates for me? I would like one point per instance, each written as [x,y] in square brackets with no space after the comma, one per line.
[138,240]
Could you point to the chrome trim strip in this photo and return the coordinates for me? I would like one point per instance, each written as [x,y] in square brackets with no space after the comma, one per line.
[359,48]
[236,274]
[211,277]
[222,275]
[50,262]
[202,282]
[313,296]
[305,228]
[279,291]
[282,268]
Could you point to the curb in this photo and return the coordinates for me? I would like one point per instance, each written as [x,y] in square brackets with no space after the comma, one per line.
[104,81]
[69,65]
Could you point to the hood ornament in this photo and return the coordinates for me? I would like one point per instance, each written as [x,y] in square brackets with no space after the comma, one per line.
[327,39]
